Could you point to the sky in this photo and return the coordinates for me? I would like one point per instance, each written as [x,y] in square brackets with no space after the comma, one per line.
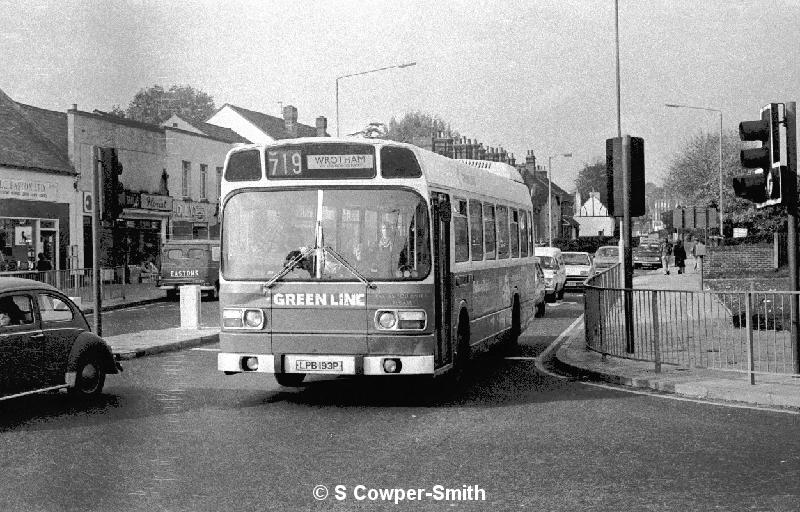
[526,75]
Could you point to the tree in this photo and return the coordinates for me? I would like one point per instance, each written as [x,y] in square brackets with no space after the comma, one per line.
[592,178]
[155,105]
[415,125]
[694,175]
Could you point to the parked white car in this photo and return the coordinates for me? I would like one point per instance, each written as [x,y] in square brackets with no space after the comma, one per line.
[579,268]
[555,273]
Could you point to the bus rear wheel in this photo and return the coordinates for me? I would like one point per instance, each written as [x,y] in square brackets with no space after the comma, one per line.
[290,380]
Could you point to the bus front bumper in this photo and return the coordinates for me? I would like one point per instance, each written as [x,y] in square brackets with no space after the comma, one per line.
[325,364]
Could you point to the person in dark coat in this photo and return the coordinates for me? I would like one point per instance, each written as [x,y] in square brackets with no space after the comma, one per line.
[43,264]
[680,257]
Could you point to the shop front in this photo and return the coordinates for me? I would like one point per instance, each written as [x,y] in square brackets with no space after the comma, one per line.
[194,220]
[34,219]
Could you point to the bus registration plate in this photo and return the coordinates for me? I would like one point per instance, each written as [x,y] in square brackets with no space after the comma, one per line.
[303,365]
[319,364]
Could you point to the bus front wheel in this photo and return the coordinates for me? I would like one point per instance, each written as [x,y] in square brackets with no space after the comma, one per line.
[290,380]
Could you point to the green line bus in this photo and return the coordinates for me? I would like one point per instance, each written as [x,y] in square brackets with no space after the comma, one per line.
[369,257]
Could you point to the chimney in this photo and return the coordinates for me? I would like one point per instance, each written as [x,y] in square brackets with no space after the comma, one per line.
[290,120]
[322,126]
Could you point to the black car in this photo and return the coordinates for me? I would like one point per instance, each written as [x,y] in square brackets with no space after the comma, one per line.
[46,343]
[647,255]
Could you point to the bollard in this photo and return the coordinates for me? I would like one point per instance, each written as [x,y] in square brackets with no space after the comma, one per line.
[748,313]
[190,307]
[656,334]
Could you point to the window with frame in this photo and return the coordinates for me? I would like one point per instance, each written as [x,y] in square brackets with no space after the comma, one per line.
[203,180]
[502,232]
[460,229]
[15,310]
[513,231]
[523,233]
[476,229]
[53,309]
[489,233]
[219,182]
[187,167]
[531,233]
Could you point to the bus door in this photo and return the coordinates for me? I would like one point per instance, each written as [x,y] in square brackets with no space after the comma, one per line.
[441,274]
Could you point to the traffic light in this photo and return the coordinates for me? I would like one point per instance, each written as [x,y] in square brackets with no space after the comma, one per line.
[111,168]
[614,177]
[769,160]
[751,187]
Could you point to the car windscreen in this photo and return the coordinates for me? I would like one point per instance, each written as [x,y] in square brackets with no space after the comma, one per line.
[547,262]
[576,259]
[381,232]
[607,252]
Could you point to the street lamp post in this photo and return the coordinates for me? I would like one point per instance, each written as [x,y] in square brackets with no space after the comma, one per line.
[550,197]
[673,105]
[406,65]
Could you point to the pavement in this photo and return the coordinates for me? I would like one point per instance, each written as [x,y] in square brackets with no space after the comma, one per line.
[769,390]
[145,343]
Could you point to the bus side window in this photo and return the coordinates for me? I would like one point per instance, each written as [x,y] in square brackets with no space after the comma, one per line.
[476,229]
[489,233]
[514,233]
[502,232]
[523,233]
[460,229]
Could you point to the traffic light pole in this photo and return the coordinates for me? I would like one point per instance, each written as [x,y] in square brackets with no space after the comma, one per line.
[625,234]
[96,278]
[790,193]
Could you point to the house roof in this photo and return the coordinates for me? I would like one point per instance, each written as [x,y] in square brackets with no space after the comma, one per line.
[33,138]
[218,132]
[271,125]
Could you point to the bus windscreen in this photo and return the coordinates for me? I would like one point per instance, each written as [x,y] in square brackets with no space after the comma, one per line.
[383,233]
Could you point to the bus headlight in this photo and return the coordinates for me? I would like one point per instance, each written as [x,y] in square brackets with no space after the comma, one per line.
[400,320]
[243,318]
[386,320]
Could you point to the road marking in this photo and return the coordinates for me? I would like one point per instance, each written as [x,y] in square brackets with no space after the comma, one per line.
[554,346]
[202,349]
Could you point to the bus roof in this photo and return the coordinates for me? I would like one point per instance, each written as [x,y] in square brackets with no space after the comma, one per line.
[475,177]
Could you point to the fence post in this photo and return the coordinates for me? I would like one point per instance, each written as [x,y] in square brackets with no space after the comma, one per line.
[656,328]
[749,320]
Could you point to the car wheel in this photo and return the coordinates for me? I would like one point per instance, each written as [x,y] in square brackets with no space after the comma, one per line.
[290,380]
[513,335]
[540,308]
[89,376]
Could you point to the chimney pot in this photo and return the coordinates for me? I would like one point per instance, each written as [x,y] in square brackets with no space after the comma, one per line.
[290,120]
[322,126]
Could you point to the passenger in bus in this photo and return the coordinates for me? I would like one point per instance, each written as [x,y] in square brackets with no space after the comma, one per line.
[387,260]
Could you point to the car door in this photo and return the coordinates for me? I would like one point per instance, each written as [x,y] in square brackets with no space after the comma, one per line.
[21,345]
[61,324]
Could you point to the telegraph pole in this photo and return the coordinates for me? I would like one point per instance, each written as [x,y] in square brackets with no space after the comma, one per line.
[790,182]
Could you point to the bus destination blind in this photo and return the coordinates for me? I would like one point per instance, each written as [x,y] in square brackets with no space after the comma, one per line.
[340,163]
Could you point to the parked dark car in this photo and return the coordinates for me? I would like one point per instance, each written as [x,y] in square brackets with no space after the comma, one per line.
[46,343]
[647,255]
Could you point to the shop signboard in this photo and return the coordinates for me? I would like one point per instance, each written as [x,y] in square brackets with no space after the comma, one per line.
[28,189]
[156,202]
[193,211]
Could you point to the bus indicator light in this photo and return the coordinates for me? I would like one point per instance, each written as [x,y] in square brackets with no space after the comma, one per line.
[250,363]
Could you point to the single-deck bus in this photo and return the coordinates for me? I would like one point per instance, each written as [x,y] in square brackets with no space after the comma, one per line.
[369,257]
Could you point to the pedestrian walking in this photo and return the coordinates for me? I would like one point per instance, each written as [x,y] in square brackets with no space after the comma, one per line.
[666,252]
[680,257]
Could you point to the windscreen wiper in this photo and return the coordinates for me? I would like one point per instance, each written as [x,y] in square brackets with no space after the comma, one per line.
[288,267]
[346,264]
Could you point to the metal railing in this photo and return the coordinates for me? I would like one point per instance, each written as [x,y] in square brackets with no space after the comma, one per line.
[77,283]
[743,331]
